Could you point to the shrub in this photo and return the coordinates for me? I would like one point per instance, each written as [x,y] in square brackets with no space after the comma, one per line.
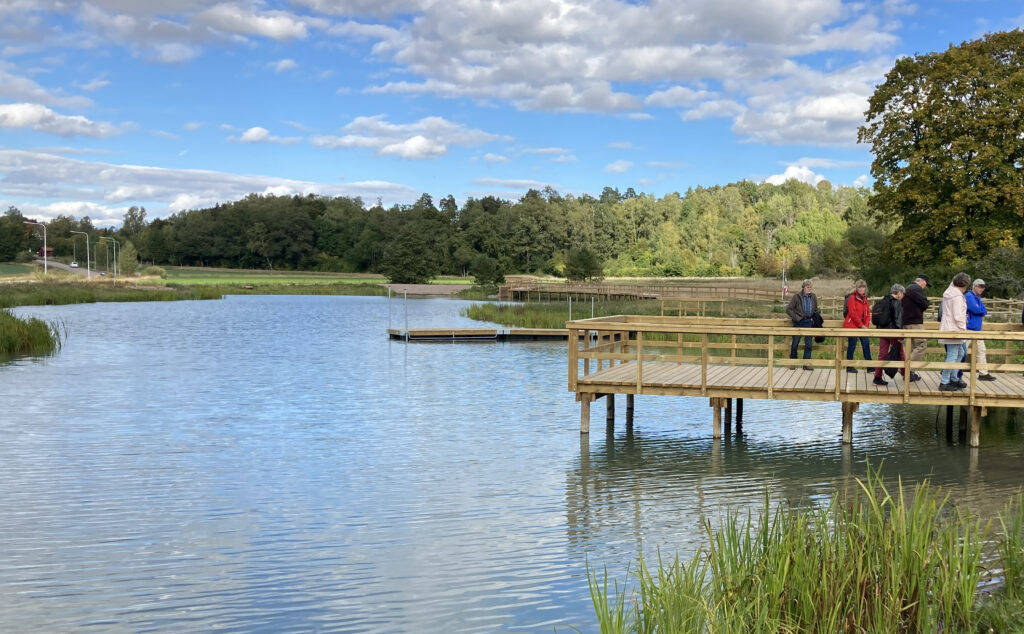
[154,271]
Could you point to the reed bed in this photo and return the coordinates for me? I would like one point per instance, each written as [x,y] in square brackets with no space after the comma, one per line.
[872,560]
[27,337]
[62,292]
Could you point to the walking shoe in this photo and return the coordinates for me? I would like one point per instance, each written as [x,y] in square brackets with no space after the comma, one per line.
[880,381]
[852,370]
[961,384]
[914,376]
[986,377]
[948,387]
[807,367]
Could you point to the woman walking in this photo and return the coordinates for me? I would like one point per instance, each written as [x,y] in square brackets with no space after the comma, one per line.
[858,315]
[954,318]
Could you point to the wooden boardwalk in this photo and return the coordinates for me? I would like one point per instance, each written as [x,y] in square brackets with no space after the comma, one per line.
[724,359]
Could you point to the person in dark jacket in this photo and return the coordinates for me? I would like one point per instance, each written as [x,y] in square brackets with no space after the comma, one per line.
[858,315]
[915,302]
[895,321]
[801,309]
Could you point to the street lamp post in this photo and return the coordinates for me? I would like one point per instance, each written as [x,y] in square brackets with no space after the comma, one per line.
[45,263]
[115,251]
[88,271]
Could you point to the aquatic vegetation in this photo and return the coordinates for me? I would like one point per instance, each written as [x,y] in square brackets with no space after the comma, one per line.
[874,559]
[27,337]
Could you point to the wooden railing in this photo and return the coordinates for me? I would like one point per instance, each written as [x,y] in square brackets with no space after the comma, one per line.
[523,289]
[596,344]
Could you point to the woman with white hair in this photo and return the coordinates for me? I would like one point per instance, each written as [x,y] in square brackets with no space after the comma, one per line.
[954,319]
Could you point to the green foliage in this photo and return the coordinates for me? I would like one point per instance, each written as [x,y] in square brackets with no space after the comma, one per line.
[583,264]
[485,271]
[949,156]
[154,271]
[22,337]
[127,259]
[874,560]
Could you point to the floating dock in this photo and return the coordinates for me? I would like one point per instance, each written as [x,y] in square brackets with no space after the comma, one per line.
[484,335]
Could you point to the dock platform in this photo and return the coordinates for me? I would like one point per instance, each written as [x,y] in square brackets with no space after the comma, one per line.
[463,335]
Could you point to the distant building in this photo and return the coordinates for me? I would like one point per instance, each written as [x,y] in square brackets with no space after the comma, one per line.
[46,253]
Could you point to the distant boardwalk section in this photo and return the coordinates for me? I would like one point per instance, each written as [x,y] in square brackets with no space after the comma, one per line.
[725,359]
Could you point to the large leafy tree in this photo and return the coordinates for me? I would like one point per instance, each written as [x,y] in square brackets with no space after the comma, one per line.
[945,129]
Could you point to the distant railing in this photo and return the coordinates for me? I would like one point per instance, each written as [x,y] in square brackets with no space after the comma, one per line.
[521,289]
[642,340]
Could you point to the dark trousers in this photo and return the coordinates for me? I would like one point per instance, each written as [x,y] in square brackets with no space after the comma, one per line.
[803,323]
[851,345]
[883,351]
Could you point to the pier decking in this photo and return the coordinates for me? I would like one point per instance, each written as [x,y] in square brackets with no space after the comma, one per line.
[460,335]
[723,359]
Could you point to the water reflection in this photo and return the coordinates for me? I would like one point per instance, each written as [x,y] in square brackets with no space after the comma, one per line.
[277,463]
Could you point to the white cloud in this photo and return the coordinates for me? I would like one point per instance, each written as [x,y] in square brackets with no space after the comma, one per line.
[192,126]
[494,158]
[283,65]
[618,167]
[257,134]
[512,183]
[676,96]
[801,173]
[33,176]
[862,181]
[93,85]
[714,108]
[231,18]
[667,164]
[24,89]
[427,138]
[41,119]
[623,145]
[564,158]
[417,147]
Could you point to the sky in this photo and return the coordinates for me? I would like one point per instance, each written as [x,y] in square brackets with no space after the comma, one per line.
[182,104]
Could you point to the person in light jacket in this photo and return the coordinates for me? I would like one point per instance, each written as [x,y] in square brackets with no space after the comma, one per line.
[954,319]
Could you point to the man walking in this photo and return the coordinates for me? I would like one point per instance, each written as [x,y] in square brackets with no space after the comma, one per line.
[915,302]
[801,310]
[975,312]
[891,319]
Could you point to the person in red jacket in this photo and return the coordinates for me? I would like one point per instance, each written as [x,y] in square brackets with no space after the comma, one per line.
[858,315]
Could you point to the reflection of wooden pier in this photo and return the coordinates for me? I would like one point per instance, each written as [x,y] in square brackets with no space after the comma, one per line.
[725,359]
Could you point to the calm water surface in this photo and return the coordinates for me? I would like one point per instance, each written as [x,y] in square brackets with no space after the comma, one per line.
[276,464]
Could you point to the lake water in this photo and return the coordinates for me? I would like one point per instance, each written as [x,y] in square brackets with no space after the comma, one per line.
[277,464]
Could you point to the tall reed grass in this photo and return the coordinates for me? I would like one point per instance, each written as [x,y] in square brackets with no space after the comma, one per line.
[27,337]
[872,560]
[59,293]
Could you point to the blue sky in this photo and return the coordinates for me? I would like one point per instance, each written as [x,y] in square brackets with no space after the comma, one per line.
[181,104]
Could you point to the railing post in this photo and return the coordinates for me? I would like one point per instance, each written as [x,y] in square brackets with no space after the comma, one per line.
[704,364]
[973,371]
[771,365]
[839,363]
[574,358]
[907,371]
[639,361]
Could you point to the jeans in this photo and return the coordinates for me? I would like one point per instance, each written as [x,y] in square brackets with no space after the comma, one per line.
[851,345]
[955,353]
[982,359]
[803,323]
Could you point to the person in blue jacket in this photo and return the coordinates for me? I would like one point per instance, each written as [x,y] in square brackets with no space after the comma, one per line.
[975,312]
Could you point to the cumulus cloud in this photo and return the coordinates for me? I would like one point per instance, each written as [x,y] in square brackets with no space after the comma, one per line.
[713,108]
[19,88]
[32,176]
[257,134]
[862,181]
[232,18]
[41,119]
[676,96]
[801,173]
[427,138]
[618,167]
[494,158]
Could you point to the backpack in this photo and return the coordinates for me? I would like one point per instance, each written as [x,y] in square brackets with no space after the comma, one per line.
[881,313]
[846,306]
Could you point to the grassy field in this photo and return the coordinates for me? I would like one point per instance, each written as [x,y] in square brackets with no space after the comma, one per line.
[14,269]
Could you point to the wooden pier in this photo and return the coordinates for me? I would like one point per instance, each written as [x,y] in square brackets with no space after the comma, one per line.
[724,359]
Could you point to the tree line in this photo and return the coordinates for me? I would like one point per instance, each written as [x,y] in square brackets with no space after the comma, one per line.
[743,228]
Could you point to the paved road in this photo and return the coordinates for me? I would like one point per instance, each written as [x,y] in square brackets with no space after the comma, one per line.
[60,266]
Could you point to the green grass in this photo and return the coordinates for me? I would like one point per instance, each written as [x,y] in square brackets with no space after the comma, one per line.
[15,269]
[194,276]
[62,292]
[876,559]
[27,337]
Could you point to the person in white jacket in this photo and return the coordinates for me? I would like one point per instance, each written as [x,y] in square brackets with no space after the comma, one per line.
[954,318]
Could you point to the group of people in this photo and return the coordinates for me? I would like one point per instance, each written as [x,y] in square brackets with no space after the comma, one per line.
[902,309]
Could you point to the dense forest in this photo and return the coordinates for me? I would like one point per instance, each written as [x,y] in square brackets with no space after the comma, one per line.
[743,228]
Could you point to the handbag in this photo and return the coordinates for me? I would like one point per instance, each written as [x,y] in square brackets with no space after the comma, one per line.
[895,352]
